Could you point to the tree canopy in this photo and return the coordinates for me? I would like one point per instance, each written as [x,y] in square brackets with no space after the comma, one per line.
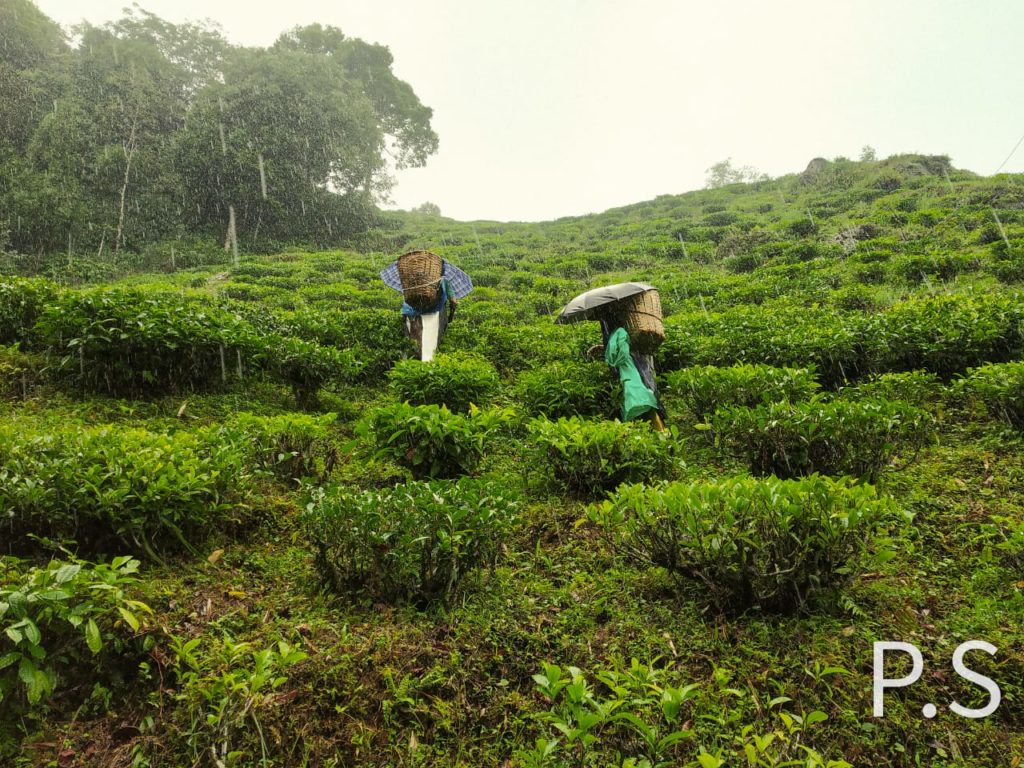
[147,130]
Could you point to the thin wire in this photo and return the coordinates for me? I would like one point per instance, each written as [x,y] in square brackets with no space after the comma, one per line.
[1015,148]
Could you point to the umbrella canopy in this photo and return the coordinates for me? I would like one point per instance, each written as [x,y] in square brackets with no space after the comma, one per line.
[457,279]
[586,306]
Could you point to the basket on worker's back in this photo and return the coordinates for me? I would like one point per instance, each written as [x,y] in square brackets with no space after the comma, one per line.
[641,317]
[420,273]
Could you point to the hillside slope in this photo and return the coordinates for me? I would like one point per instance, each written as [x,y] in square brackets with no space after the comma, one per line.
[334,569]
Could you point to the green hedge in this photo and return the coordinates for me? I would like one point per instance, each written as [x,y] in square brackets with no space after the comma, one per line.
[457,380]
[704,389]
[568,388]
[840,437]
[1001,388]
[412,543]
[588,458]
[22,300]
[429,440]
[110,487]
[768,543]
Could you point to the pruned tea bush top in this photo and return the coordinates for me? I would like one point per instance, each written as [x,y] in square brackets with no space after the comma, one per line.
[431,441]
[590,457]
[412,543]
[1001,388]
[114,487]
[839,437]
[456,380]
[568,388]
[749,542]
[706,388]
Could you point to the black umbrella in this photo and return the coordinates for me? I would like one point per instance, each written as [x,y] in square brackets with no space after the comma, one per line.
[586,306]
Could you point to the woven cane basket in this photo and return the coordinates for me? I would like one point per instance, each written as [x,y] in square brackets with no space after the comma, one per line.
[641,316]
[420,273]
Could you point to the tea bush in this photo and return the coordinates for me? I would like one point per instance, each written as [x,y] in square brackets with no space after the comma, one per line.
[292,446]
[456,380]
[412,543]
[918,388]
[22,300]
[58,620]
[769,543]
[588,458]
[778,334]
[646,715]
[132,342]
[19,371]
[840,437]
[704,389]
[634,710]
[306,366]
[1001,388]
[946,334]
[108,487]
[222,688]
[567,388]
[431,441]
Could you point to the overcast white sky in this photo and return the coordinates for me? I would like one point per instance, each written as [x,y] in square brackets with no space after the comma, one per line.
[549,108]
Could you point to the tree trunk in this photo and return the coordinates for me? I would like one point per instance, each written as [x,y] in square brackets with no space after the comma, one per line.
[129,153]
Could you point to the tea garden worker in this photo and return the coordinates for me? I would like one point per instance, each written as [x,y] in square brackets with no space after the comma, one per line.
[426,318]
[632,328]
[636,372]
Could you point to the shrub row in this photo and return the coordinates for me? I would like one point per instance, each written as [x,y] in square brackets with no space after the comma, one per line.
[21,302]
[457,380]
[749,542]
[568,388]
[107,487]
[412,543]
[944,335]
[588,458]
[704,389]
[132,342]
[1001,388]
[839,437]
[429,440]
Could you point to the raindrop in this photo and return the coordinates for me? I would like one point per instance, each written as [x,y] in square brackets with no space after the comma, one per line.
[263,176]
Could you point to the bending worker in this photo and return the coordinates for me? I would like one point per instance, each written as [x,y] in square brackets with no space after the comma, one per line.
[429,301]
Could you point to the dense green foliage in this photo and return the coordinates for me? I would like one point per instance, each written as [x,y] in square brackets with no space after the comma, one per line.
[452,380]
[568,388]
[109,486]
[58,618]
[768,543]
[431,441]
[586,457]
[413,543]
[884,286]
[857,438]
[1001,388]
[292,446]
[704,389]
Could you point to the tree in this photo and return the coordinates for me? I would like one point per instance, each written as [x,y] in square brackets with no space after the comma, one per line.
[401,115]
[723,173]
[428,209]
[868,154]
[147,129]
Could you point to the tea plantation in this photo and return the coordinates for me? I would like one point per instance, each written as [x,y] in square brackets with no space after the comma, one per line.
[242,527]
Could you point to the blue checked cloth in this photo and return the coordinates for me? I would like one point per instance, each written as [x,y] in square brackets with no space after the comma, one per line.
[458,280]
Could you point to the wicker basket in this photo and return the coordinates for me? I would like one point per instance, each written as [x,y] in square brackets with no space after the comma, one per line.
[420,273]
[641,317]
